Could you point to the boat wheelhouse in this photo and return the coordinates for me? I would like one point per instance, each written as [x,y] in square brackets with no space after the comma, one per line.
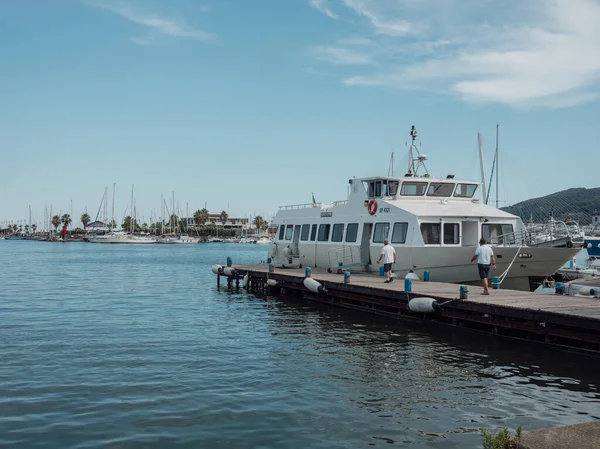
[434,224]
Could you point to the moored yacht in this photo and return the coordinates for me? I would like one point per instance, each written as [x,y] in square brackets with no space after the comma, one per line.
[122,238]
[434,224]
[177,239]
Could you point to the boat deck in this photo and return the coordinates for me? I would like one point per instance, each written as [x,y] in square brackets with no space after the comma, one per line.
[567,321]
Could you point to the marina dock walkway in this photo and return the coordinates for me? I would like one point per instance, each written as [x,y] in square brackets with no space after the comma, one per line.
[570,322]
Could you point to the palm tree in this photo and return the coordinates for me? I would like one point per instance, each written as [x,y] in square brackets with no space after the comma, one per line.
[85,219]
[27,228]
[15,228]
[200,217]
[126,226]
[66,220]
[265,225]
[56,222]
[224,217]
[34,227]
[258,222]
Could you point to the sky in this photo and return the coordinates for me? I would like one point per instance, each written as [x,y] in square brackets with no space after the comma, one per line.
[246,105]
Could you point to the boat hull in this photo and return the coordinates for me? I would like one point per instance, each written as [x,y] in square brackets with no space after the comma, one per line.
[529,266]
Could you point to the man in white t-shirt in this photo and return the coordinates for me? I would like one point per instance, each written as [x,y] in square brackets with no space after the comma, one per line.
[388,254]
[484,255]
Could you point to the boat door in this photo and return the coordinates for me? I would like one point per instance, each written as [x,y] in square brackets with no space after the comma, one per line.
[365,244]
[295,240]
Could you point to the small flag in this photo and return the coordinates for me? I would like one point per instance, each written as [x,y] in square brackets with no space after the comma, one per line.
[314,201]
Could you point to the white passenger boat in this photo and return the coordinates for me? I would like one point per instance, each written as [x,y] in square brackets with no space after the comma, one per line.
[434,225]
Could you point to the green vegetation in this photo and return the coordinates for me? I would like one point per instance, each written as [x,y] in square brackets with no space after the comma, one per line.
[571,204]
[85,219]
[56,222]
[501,440]
[66,220]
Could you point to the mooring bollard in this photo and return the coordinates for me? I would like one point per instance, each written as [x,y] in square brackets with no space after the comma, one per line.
[346,277]
[270,268]
[307,272]
[559,288]
[382,271]
[426,275]
[495,282]
[463,292]
[407,285]
[228,261]
[269,260]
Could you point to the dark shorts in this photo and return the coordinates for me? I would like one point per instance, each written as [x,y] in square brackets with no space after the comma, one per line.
[387,267]
[484,270]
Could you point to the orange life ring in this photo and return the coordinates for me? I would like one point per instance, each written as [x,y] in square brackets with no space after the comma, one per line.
[372,207]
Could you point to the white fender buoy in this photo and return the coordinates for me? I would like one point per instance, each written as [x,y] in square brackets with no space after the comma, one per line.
[587,291]
[412,276]
[423,305]
[271,282]
[245,281]
[217,269]
[313,285]
[229,271]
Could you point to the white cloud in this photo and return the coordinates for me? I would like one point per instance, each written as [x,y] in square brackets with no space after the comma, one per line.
[321,5]
[341,56]
[156,23]
[523,53]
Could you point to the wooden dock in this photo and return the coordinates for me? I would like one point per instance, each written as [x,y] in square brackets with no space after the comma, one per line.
[565,321]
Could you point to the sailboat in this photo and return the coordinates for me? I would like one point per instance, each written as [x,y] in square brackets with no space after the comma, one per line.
[174,237]
[122,237]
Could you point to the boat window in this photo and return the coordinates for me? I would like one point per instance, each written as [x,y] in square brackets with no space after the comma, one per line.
[324,232]
[430,233]
[338,233]
[381,232]
[440,189]
[313,233]
[413,188]
[281,231]
[351,232]
[304,232]
[498,233]
[465,190]
[392,188]
[289,231]
[399,232]
[451,234]
[373,189]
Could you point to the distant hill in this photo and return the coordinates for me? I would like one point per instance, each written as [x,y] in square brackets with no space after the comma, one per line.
[577,204]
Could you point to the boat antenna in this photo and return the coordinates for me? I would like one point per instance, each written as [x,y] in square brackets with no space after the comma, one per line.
[415,163]
[497,166]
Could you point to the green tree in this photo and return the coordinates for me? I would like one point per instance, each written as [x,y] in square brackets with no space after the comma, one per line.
[15,227]
[66,220]
[201,216]
[173,222]
[224,217]
[34,227]
[113,224]
[85,219]
[258,222]
[27,228]
[56,222]
[126,225]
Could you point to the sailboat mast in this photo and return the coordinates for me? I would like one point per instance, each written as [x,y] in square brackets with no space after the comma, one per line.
[112,220]
[162,214]
[483,180]
[497,166]
[131,212]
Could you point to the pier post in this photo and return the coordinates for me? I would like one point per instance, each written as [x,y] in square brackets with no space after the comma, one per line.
[218,281]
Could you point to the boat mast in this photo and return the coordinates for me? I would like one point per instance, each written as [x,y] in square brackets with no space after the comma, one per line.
[480,144]
[29,219]
[112,220]
[497,166]
[131,215]
[162,214]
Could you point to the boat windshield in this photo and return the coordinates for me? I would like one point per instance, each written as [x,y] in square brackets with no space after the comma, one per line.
[440,189]
[465,190]
[411,188]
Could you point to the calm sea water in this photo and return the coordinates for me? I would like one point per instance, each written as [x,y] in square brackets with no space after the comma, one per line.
[134,347]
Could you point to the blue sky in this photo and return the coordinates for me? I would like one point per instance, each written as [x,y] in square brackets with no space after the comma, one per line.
[247,105]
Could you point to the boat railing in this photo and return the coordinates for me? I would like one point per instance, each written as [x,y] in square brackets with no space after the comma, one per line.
[344,257]
[300,206]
